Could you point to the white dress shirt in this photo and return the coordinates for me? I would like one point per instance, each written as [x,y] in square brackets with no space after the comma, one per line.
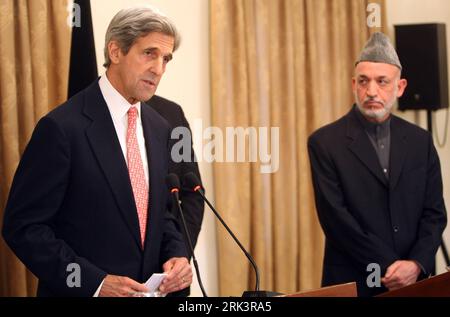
[118,108]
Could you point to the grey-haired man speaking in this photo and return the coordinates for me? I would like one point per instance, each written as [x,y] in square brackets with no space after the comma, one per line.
[377,183]
[89,193]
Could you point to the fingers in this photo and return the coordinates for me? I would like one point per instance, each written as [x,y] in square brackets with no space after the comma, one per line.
[398,278]
[398,283]
[178,277]
[135,286]
[391,279]
[403,273]
[120,286]
[175,285]
[167,267]
[391,269]
[392,284]
[176,267]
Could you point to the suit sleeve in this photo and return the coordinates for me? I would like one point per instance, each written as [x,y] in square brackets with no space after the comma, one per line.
[434,218]
[191,202]
[173,244]
[31,214]
[341,228]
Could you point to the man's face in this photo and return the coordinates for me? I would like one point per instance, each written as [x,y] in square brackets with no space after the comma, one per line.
[376,87]
[136,75]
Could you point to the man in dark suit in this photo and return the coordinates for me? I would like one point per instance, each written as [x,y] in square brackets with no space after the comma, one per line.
[89,192]
[191,203]
[377,183]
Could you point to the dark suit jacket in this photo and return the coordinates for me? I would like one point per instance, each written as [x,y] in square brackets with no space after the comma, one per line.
[367,218]
[71,200]
[192,203]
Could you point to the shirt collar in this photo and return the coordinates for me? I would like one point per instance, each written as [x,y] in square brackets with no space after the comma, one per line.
[117,104]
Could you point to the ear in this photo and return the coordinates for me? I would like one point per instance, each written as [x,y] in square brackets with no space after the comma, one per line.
[114,52]
[354,84]
[401,85]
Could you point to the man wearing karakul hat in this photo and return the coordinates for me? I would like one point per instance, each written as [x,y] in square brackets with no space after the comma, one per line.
[377,183]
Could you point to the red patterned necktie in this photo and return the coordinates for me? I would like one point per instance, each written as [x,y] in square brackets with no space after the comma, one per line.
[136,171]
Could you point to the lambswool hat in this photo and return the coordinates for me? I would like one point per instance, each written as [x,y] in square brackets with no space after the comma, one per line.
[379,50]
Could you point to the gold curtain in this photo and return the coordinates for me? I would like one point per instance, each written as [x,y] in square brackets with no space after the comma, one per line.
[286,64]
[34,60]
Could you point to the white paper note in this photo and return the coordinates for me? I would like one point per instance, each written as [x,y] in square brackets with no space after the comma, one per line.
[153,283]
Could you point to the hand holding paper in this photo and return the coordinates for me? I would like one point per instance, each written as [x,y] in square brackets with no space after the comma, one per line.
[179,275]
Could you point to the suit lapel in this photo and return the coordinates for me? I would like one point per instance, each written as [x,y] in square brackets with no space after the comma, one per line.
[361,146]
[399,150]
[106,147]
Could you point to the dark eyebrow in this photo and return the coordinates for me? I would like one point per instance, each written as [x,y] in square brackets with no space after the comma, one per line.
[378,78]
[169,56]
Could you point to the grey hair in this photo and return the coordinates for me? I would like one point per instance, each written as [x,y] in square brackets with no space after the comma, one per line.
[130,24]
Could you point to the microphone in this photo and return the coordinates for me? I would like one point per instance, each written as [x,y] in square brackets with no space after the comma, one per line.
[173,184]
[191,180]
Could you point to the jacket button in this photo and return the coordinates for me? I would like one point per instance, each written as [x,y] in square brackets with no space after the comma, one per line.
[395,229]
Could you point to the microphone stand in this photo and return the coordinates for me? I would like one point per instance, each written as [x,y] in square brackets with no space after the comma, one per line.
[174,190]
[188,238]
[257,292]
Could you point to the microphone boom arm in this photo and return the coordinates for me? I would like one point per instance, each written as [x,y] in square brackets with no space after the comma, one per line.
[186,231]
[249,257]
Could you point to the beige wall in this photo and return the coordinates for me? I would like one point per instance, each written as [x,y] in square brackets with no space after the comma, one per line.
[430,11]
[186,82]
